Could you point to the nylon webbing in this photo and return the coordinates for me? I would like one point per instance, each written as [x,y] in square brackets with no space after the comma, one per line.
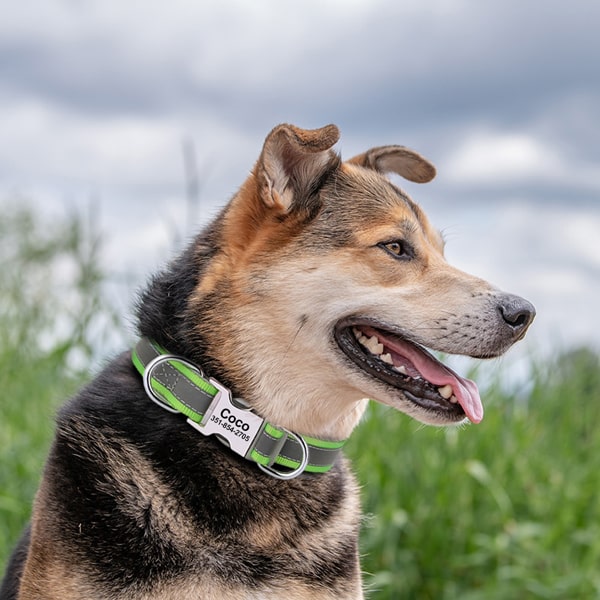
[184,389]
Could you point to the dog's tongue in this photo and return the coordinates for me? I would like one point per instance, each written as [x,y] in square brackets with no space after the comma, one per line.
[465,390]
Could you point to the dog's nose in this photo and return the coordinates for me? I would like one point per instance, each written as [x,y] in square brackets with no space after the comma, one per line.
[517,313]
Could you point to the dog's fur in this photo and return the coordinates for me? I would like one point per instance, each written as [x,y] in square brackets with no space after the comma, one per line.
[136,504]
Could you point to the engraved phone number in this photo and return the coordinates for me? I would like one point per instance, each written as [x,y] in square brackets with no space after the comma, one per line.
[229,422]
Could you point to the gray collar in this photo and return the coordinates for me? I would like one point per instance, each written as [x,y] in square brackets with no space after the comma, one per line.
[178,386]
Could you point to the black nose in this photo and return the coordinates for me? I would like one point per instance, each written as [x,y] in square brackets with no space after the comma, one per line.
[517,313]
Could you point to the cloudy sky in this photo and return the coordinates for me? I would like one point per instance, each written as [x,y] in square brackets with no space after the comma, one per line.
[98,98]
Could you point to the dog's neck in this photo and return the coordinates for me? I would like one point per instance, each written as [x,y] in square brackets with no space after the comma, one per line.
[319,411]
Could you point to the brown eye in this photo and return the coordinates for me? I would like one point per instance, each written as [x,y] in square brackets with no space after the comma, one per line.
[397,249]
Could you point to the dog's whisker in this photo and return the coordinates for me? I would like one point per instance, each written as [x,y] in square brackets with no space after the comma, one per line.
[292,341]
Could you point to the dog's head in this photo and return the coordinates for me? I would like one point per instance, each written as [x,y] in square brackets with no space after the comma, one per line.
[329,283]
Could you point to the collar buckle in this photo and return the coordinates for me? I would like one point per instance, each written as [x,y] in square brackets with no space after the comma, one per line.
[232,422]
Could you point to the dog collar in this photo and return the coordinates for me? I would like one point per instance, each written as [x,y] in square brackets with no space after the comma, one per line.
[179,386]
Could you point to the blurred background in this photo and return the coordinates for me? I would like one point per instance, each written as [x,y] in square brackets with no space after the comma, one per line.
[124,126]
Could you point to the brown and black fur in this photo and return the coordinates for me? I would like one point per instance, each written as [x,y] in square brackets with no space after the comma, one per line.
[136,504]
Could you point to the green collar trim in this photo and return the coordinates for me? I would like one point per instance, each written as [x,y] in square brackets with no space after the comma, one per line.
[178,386]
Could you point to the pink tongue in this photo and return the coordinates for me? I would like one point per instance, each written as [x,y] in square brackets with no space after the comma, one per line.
[435,372]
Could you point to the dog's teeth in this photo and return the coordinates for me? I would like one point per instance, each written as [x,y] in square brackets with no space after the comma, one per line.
[387,358]
[359,335]
[401,369]
[372,345]
[453,399]
[446,391]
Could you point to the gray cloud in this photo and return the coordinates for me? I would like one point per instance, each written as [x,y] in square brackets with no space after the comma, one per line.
[432,62]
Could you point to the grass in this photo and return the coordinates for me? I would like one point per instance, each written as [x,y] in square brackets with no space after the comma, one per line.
[508,509]
[31,391]
[51,320]
[504,510]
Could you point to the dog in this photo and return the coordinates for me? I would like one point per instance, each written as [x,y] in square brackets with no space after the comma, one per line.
[207,463]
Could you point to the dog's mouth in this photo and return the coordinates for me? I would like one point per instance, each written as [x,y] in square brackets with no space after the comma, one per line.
[398,362]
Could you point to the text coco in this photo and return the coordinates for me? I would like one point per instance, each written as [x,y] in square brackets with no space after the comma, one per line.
[227,415]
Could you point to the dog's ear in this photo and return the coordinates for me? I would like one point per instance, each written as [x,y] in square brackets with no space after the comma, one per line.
[293,162]
[396,159]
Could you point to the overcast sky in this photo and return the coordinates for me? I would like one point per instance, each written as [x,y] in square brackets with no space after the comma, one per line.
[98,97]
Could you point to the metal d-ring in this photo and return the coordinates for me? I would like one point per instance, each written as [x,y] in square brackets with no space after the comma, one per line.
[147,376]
[285,475]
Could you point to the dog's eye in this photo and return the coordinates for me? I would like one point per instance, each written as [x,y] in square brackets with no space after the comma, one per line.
[397,249]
